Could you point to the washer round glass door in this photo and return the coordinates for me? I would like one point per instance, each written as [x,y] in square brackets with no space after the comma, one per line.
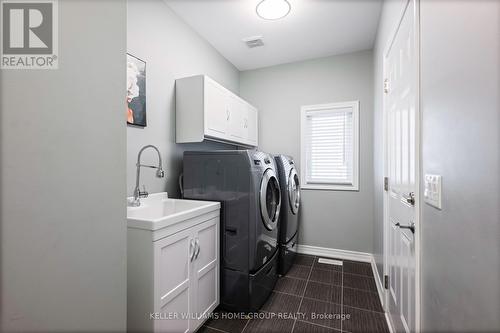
[270,199]
[294,191]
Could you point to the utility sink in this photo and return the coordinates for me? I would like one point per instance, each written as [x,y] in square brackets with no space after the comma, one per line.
[158,211]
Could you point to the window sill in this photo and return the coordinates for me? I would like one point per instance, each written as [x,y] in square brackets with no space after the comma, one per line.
[338,187]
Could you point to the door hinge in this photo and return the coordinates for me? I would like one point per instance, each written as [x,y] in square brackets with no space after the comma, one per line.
[386,86]
[386,281]
[386,183]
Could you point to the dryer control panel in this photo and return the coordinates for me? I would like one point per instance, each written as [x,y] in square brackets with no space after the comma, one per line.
[261,159]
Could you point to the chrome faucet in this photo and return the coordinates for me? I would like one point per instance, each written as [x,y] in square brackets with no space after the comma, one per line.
[138,194]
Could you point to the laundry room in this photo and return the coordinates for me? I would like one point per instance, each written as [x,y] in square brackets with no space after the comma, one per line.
[247,154]
[286,166]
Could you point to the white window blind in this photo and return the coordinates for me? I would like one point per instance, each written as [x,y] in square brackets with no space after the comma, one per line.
[329,146]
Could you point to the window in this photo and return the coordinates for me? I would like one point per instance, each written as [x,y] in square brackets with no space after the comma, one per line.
[329,146]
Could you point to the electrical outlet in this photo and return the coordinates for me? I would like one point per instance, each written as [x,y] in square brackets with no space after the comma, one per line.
[432,191]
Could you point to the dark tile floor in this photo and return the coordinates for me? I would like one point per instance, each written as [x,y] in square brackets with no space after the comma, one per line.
[314,298]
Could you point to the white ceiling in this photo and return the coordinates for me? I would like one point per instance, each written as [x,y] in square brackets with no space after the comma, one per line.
[313,29]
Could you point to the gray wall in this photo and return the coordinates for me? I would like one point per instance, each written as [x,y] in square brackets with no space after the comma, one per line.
[334,219]
[461,123]
[63,230]
[388,20]
[460,111]
[171,50]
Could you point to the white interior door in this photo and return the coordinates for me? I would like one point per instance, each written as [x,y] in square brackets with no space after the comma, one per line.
[401,114]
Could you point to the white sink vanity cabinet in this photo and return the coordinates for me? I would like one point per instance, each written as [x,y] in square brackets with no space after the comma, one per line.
[172,264]
[205,110]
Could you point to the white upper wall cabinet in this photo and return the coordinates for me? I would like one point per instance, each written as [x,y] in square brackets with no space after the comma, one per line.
[205,110]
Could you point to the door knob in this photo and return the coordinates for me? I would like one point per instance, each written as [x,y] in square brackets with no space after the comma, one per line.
[411,227]
[410,198]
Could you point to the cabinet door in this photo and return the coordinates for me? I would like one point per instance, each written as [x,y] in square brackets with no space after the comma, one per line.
[172,283]
[206,270]
[237,119]
[216,109]
[252,125]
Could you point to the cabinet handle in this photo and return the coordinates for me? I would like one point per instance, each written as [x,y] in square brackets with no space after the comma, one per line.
[246,123]
[228,114]
[197,248]
[191,250]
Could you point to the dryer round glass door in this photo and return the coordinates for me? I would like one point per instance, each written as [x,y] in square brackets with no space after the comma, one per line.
[270,199]
[294,191]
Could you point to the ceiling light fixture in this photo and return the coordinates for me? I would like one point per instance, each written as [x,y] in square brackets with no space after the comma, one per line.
[273,9]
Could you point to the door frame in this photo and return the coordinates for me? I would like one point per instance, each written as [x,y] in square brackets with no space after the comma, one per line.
[418,159]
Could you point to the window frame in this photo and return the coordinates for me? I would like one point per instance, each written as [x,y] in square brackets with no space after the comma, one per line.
[308,109]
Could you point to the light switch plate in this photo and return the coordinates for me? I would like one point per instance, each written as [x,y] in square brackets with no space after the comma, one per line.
[432,190]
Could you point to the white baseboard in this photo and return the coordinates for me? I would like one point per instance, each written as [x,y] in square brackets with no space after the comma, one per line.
[389,323]
[355,256]
[335,253]
[381,295]
[378,282]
